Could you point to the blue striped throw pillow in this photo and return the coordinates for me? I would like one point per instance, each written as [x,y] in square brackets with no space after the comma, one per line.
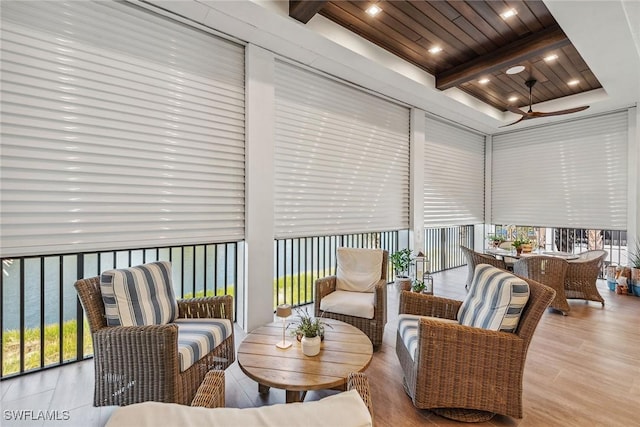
[495,300]
[138,296]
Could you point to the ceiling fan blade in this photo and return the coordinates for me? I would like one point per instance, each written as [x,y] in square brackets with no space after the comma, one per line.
[524,117]
[559,112]
[515,110]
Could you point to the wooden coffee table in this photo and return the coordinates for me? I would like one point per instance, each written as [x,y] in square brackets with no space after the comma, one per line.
[344,349]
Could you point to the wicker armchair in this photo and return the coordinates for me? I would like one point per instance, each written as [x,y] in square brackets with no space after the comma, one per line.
[580,280]
[549,271]
[140,363]
[374,327]
[467,373]
[474,258]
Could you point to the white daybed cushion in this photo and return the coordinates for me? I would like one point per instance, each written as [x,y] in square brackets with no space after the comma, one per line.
[408,330]
[344,409]
[358,269]
[358,304]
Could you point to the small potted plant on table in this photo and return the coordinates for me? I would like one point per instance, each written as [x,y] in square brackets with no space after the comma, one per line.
[310,333]
[401,261]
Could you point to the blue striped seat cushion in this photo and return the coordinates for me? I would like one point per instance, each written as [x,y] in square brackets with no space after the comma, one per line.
[197,337]
[495,300]
[138,296]
[408,330]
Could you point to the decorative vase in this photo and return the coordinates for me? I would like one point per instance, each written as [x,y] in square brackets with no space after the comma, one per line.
[403,283]
[635,275]
[518,251]
[311,346]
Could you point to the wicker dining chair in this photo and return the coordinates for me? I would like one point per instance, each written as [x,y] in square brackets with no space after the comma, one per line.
[140,363]
[372,327]
[462,372]
[550,271]
[582,275]
[474,258]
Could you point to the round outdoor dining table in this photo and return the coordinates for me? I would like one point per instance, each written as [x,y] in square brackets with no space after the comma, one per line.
[513,254]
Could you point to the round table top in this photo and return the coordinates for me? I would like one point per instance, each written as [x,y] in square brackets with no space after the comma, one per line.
[345,349]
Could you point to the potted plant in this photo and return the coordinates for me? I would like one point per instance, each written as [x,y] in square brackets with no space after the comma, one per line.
[418,286]
[495,239]
[518,245]
[401,261]
[634,263]
[310,332]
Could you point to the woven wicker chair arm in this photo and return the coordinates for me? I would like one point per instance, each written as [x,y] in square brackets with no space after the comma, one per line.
[324,287]
[477,347]
[220,307]
[428,305]
[359,382]
[210,394]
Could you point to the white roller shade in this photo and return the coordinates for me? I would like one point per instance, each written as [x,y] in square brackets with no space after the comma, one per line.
[342,158]
[453,175]
[120,128]
[571,174]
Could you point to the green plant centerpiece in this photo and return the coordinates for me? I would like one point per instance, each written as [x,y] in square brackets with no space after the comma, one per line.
[495,239]
[310,332]
[309,326]
[519,243]
[401,260]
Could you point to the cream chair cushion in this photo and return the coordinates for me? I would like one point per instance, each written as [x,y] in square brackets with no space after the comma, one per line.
[358,269]
[358,304]
[344,409]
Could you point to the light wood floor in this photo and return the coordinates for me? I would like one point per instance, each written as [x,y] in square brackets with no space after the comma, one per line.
[582,370]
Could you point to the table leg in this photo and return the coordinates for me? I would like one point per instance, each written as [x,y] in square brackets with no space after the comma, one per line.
[295,396]
[263,389]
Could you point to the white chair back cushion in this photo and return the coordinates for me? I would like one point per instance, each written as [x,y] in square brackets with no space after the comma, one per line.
[495,300]
[358,269]
[138,296]
[358,304]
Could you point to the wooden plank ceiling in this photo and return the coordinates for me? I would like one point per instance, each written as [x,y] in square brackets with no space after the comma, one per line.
[477,44]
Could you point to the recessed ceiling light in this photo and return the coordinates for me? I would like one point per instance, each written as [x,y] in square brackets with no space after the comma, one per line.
[513,99]
[515,70]
[435,49]
[550,58]
[373,10]
[509,13]
[573,82]
[483,81]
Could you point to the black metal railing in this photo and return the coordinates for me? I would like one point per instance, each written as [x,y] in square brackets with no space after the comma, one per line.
[442,246]
[300,261]
[42,321]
